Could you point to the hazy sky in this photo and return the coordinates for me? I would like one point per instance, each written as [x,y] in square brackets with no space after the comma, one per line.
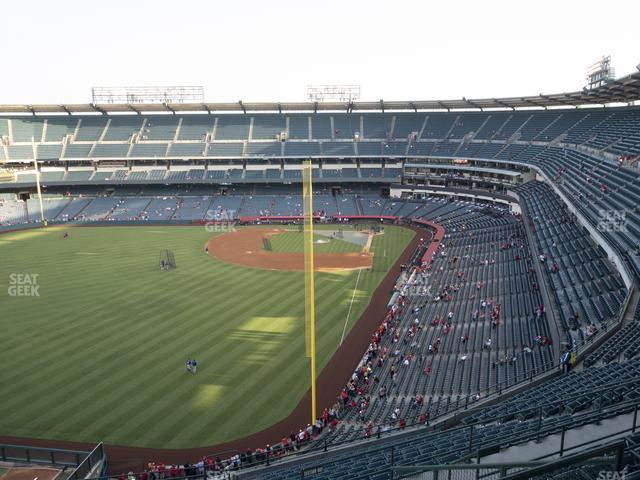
[55,51]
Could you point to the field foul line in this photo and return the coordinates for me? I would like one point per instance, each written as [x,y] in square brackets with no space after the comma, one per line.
[355,289]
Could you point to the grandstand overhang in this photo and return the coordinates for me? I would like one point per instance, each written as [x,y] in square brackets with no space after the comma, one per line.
[624,90]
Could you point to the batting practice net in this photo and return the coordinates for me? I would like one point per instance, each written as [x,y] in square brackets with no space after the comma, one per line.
[167,260]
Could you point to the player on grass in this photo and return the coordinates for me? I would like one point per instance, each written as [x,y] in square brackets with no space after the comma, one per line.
[188,365]
[194,366]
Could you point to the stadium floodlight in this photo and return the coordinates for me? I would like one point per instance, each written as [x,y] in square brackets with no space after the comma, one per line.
[336,93]
[154,94]
[600,73]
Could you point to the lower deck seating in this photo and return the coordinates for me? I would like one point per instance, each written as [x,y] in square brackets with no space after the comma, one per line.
[160,209]
[259,205]
[97,209]
[129,208]
[51,208]
[192,208]
[224,208]
[12,212]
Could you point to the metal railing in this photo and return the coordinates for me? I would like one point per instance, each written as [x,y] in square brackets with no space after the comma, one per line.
[470,447]
[452,410]
[537,466]
[475,453]
[45,456]
[604,458]
[94,464]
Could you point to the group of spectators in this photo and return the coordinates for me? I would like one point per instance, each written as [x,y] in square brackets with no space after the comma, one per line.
[215,464]
[626,159]
[392,347]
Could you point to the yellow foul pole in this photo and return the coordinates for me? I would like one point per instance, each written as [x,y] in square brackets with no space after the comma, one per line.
[35,165]
[309,269]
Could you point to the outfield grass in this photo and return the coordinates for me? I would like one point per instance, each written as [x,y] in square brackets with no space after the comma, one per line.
[99,354]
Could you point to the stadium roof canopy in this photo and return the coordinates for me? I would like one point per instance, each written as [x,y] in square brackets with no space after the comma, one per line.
[622,90]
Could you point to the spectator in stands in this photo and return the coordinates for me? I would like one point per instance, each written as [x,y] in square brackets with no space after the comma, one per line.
[333,425]
[573,321]
[382,392]
[565,358]
[369,429]
[394,415]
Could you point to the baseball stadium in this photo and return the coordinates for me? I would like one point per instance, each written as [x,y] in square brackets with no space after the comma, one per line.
[322,289]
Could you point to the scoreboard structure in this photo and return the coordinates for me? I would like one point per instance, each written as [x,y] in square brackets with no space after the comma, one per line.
[146,95]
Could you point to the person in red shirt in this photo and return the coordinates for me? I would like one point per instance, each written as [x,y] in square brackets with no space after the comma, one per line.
[402,424]
[369,429]
[334,424]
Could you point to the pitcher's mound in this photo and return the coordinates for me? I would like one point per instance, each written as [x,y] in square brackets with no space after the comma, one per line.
[244,247]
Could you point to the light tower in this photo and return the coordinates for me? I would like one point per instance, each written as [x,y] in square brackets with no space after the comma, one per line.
[600,73]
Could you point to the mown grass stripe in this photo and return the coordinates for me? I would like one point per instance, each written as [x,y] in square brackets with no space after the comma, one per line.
[116,330]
